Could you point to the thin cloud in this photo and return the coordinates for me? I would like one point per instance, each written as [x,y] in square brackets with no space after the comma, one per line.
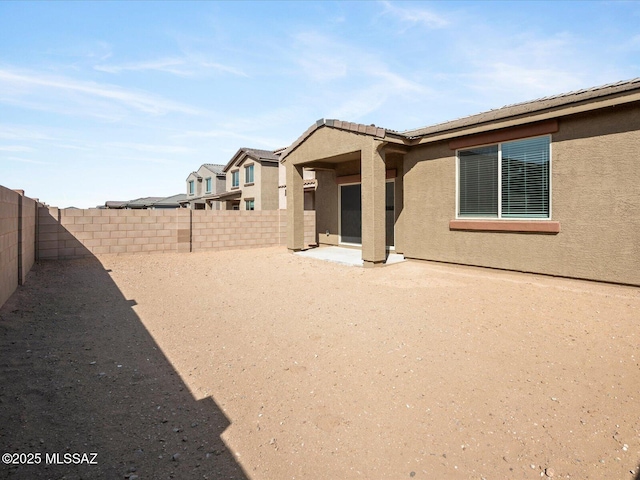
[24,160]
[31,83]
[15,148]
[527,67]
[414,16]
[356,81]
[248,139]
[11,132]
[156,160]
[142,147]
[182,67]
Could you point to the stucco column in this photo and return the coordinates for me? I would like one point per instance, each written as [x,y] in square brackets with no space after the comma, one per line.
[295,208]
[372,168]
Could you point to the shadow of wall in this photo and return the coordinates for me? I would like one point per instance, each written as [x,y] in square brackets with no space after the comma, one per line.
[80,373]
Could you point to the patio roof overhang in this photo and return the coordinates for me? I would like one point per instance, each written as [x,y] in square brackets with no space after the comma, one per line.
[226,195]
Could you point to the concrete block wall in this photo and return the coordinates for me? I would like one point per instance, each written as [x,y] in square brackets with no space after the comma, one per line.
[8,242]
[17,239]
[234,229]
[27,237]
[75,233]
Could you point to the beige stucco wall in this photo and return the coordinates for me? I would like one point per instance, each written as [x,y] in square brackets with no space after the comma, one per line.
[595,197]
[309,195]
[282,183]
[205,173]
[342,150]
[268,186]
[263,190]
[197,192]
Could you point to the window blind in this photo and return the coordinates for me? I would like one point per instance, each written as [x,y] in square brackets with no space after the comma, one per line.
[478,176]
[525,178]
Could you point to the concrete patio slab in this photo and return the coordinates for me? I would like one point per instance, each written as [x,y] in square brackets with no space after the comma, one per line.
[345,256]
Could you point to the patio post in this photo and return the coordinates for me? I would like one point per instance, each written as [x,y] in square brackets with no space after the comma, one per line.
[295,208]
[372,167]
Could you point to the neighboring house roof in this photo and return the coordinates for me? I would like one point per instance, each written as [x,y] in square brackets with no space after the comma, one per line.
[173,200]
[262,156]
[226,195]
[115,204]
[147,202]
[143,202]
[624,91]
[214,168]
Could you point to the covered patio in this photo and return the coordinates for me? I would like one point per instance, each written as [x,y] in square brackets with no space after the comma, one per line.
[359,193]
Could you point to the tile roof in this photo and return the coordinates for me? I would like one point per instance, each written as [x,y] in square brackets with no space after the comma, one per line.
[338,124]
[226,195]
[143,201]
[172,200]
[215,168]
[508,111]
[146,202]
[115,204]
[261,154]
[529,107]
[258,155]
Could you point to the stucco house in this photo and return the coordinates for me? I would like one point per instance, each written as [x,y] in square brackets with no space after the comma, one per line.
[204,184]
[548,186]
[251,180]
[309,188]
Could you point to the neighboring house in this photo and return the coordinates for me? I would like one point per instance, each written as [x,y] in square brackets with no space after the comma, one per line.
[203,185]
[309,177]
[549,186]
[251,180]
[174,201]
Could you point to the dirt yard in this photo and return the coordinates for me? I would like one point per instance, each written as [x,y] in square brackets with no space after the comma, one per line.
[259,364]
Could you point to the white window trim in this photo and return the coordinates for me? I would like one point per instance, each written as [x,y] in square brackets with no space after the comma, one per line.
[500,217]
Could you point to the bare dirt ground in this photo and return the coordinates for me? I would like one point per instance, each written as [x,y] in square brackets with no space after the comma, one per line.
[259,364]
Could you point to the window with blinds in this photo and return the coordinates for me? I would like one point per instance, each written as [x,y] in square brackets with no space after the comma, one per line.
[507,180]
[478,174]
[525,178]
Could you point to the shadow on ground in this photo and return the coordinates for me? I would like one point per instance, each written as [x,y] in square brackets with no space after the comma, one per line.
[81,374]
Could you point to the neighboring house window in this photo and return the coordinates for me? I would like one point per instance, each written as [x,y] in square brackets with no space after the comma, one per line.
[192,187]
[249,205]
[207,183]
[235,178]
[507,180]
[248,174]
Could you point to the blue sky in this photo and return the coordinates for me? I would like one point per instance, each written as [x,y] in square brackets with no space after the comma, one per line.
[118,100]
